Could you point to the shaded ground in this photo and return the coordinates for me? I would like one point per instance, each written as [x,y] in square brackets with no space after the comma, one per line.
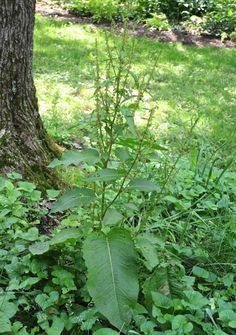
[165,36]
[191,83]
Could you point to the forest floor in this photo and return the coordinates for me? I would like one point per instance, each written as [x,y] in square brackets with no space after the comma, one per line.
[45,9]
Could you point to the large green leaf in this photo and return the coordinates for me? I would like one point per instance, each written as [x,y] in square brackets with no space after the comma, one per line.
[112,276]
[105,331]
[39,248]
[180,323]
[202,273]
[122,153]
[7,311]
[147,246]
[228,317]
[143,185]
[161,300]
[65,235]
[18,329]
[5,324]
[130,120]
[194,300]
[72,157]
[166,280]
[106,175]
[133,143]
[56,328]
[112,217]
[74,198]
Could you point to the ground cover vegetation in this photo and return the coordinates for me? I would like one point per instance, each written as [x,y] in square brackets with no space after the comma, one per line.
[144,240]
[213,17]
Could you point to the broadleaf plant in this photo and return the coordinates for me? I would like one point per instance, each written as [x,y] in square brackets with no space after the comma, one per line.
[112,275]
[134,206]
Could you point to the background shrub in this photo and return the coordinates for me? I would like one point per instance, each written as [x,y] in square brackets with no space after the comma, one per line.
[221,17]
[101,10]
[217,17]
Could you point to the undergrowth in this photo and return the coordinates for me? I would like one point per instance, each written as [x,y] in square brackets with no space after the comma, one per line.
[199,16]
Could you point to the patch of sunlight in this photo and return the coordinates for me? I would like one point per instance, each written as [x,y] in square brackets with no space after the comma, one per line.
[163,107]
[190,82]
[168,68]
[178,69]
[74,32]
[62,99]
[231,90]
[162,116]
[180,47]
[199,57]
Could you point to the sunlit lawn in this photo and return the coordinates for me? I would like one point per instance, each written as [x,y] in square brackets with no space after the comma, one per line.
[193,83]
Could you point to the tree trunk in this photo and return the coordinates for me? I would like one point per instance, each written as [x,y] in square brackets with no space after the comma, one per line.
[23,139]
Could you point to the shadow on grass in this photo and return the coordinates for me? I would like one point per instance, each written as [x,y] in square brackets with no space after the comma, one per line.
[192,82]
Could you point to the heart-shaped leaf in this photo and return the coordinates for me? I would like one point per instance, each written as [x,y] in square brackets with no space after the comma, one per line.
[112,217]
[72,157]
[39,248]
[65,235]
[74,198]
[106,175]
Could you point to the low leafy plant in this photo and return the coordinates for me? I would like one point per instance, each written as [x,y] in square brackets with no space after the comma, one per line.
[183,290]
[214,17]
[132,215]
[233,36]
[159,22]
[221,18]
[100,10]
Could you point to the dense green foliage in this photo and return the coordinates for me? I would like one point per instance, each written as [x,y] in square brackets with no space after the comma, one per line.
[186,245]
[205,16]
[145,240]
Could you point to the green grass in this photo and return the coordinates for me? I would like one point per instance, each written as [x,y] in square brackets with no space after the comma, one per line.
[192,83]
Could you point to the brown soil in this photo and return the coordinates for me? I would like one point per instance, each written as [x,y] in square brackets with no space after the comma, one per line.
[49,221]
[45,9]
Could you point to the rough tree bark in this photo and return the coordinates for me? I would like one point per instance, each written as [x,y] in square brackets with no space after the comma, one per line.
[24,145]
